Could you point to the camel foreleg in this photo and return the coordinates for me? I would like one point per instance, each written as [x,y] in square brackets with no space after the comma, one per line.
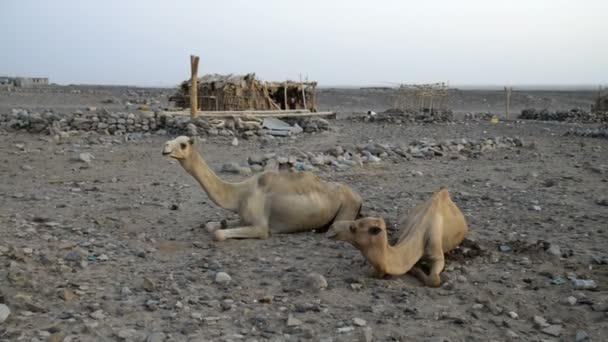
[245,232]
[350,206]
[213,225]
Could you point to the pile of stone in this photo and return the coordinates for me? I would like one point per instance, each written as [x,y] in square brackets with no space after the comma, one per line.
[399,116]
[600,132]
[345,157]
[573,115]
[242,127]
[121,123]
[481,116]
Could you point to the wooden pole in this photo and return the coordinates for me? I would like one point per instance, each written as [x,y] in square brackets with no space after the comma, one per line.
[314,97]
[256,113]
[285,95]
[193,86]
[508,101]
[303,92]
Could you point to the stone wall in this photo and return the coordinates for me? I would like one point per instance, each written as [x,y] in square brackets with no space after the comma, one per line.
[573,115]
[120,123]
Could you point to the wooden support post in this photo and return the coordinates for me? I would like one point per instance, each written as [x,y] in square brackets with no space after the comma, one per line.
[193,86]
[285,95]
[303,92]
[508,102]
[314,97]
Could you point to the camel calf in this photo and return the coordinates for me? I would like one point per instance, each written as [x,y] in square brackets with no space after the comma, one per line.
[435,227]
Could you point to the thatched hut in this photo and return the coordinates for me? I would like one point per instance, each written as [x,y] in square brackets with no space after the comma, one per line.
[245,92]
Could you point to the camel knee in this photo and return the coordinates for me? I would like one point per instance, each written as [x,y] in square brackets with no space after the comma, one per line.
[264,233]
[212,226]
[433,280]
[218,235]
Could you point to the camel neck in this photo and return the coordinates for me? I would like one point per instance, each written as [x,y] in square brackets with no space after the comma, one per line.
[221,193]
[398,259]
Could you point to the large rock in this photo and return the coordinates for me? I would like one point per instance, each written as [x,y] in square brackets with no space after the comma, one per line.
[4,313]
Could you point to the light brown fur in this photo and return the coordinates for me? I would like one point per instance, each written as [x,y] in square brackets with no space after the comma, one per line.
[269,201]
[434,227]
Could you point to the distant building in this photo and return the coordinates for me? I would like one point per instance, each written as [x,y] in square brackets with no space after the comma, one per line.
[24,82]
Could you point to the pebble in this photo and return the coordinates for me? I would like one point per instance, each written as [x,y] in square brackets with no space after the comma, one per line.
[368,335]
[126,334]
[581,336]
[66,295]
[554,250]
[73,256]
[222,278]
[125,291]
[570,300]
[156,337]
[292,321]
[540,322]
[513,314]
[345,329]
[553,330]
[98,315]
[148,285]
[4,313]
[235,142]
[512,334]
[359,322]
[536,208]
[315,281]
[86,157]
[583,284]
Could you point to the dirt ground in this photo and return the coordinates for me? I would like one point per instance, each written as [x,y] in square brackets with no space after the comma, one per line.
[114,250]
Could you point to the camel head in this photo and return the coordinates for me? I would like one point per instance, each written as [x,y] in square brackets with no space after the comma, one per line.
[361,233]
[179,148]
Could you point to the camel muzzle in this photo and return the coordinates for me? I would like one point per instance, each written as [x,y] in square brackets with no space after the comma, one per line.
[331,233]
[335,230]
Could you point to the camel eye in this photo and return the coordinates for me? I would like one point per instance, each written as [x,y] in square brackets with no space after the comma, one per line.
[375,230]
[183,146]
[352,228]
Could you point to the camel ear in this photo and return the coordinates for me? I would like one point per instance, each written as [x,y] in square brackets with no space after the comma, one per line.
[374,230]
[191,140]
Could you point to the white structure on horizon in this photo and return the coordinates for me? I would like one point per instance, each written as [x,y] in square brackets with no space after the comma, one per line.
[24,82]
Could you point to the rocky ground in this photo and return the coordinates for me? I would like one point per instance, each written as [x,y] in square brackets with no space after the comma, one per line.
[101,238]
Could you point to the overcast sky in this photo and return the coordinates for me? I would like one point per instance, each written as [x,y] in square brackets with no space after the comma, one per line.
[337,42]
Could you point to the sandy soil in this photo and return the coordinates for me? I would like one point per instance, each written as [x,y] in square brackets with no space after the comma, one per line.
[114,250]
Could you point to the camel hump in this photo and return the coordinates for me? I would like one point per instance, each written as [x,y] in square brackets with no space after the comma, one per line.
[292,182]
[443,193]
